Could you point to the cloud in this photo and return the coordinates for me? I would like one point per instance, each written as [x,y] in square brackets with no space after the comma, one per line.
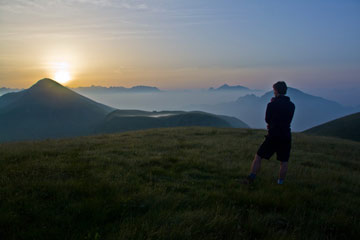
[21,6]
[126,4]
[103,19]
[135,6]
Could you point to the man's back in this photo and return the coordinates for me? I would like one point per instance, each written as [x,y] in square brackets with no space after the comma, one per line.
[279,114]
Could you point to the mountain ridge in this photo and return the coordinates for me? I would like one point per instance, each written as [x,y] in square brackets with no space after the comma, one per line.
[125,120]
[226,87]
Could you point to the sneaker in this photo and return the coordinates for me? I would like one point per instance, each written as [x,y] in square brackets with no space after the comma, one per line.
[248,180]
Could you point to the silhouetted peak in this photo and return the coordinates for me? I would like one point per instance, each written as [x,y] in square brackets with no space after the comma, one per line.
[47,86]
[226,87]
[46,82]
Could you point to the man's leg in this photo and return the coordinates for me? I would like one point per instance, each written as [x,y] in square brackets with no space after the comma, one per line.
[255,168]
[266,150]
[256,164]
[282,172]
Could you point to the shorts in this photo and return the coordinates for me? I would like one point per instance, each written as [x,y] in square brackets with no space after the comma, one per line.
[280,146]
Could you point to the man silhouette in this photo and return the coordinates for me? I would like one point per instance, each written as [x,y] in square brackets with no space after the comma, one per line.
[279,114]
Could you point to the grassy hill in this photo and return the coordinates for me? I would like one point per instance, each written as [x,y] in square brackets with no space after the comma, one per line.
[177,183]
[125,120]
[347,127]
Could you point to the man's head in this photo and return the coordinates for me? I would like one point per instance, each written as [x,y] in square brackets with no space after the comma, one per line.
[280,88]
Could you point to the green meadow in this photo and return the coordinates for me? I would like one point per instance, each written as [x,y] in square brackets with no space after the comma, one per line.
[177,183]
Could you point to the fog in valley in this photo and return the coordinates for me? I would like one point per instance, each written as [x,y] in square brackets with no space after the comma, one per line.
[245,104]
[166,100]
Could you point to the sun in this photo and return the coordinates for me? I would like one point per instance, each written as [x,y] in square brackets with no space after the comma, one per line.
[62,76]
[61,72]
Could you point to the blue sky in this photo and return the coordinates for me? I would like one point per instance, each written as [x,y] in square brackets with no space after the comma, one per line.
[182,43]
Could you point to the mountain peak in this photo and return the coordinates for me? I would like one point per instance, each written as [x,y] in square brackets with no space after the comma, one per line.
[46,82]
[233,88]
[47,85]
[227,87]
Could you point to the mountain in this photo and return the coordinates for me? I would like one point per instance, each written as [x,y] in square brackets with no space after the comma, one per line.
[226,87]
[106,90]
[347,127]
[48,110]
[310,110]
[125,120]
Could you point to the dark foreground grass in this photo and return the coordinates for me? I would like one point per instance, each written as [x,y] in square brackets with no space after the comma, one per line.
[179,183]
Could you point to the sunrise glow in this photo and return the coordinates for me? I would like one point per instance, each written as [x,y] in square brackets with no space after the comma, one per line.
[61,72]
[62,76]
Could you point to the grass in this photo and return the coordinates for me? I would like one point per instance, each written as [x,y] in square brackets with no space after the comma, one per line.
[177,183]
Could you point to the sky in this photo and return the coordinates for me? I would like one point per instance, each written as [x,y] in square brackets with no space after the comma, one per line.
[180,44]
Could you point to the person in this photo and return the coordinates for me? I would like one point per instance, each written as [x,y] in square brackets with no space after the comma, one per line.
[279,114]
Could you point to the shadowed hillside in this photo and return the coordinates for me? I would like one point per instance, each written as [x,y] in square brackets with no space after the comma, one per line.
[346,127]
[180,183]
[125,120]
[46,110]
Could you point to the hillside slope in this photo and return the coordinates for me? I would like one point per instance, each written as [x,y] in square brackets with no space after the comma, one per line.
[48,110]
[347,127]
[125,120]
[180,183]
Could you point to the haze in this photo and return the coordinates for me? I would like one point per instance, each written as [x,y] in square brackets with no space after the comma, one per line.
[184,44]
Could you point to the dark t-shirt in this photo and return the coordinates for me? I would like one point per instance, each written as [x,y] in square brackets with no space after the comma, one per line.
[279,114]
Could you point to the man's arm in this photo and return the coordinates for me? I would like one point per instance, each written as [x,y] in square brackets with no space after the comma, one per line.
[268,114]
[292,112]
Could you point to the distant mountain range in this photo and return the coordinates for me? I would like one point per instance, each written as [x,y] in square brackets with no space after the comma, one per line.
[310,110]
[347,127]
[226,87]
[49,110]
[104,90]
